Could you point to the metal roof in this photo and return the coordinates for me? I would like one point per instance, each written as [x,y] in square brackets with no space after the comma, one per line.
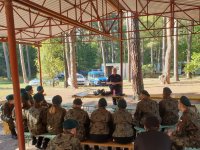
[37,20]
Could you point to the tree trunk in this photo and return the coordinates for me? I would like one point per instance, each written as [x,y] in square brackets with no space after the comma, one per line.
[128,26]
[152,63]
[65,50]
[176,50]
[102,52]
[5,50]
[189,46]
[112,47]
[28,61]
[158,58]
[22,64]
[163,46]
[73,58]
[168,53]
[136,58]
[142,52]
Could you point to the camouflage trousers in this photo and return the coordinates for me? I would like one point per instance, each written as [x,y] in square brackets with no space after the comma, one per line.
[182,142]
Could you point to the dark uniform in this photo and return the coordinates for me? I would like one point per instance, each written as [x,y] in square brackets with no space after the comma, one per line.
[115,89]
[152,140]
[55,120]
[144,109]
[168,109]
[6,116]
[83,120]
[187,133]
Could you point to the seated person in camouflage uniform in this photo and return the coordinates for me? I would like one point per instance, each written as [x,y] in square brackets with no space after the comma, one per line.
[29,90]
[146,107]
[40,89]
[36,117]
[168,108]
[81,117]
[101,123]
[123,124]
[55,116]
[187,133]
[6,115]
[66,140]
[152,139]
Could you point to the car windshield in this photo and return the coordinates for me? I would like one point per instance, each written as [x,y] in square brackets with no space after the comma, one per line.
[79,76]
[98,75]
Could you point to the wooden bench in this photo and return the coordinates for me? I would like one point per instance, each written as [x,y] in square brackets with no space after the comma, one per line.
[108,144]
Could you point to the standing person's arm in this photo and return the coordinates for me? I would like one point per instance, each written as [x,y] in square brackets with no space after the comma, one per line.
[137,114]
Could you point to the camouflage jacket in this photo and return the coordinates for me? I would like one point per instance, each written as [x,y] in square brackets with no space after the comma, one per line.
[168,109]
[101,122]
[123,123]
[7,111]
[188,130]
[36,118]
[83,119]
[146,108]
[55,120]
[64,141]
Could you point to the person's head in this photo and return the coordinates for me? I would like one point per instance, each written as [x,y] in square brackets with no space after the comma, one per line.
[77,102]
[151,123]
[70,126]
[184,102]
[114,70]
[24,99]
[102,103]
[57,100]
[144,95]
[122,104]
[29,89]
[40,89]
[10,98]
[38,99]
[166,92]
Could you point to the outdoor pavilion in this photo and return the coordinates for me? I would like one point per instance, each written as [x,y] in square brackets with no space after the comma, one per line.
[33,21]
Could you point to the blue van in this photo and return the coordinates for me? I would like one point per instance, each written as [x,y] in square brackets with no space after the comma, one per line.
[96,77]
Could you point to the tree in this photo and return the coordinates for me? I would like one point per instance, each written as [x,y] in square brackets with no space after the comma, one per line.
[163,45]
[5,50]
[73,63]
[28,61]
[52,58]
[22,63]
[176,50]
[168,52]
[136,57]
[194,65]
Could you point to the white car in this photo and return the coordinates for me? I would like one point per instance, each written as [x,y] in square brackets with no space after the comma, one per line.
[34,82]
[80,80]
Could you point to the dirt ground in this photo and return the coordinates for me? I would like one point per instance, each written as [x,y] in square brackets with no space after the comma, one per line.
[188,87]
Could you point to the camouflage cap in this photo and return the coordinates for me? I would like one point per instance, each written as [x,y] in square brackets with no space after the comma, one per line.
[185,101]
[77,101]
[122,103]
[57,100]
[40,88]
[28,88]
[167,90]
[102,102]
[10,97]
[38,97]
[70,124]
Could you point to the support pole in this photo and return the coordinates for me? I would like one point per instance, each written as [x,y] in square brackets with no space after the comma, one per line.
[121,45]
[39,61]
[14,71]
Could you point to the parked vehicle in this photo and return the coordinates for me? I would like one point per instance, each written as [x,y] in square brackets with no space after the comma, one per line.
[36,82]
[81,80]
[96,77]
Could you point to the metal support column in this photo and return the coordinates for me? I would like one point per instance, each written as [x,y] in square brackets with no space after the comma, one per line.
[40,66]
[14,71]
[121,45]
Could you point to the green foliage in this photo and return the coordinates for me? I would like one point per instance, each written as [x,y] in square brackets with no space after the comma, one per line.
[147,70]
[194,65]
[52,58]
